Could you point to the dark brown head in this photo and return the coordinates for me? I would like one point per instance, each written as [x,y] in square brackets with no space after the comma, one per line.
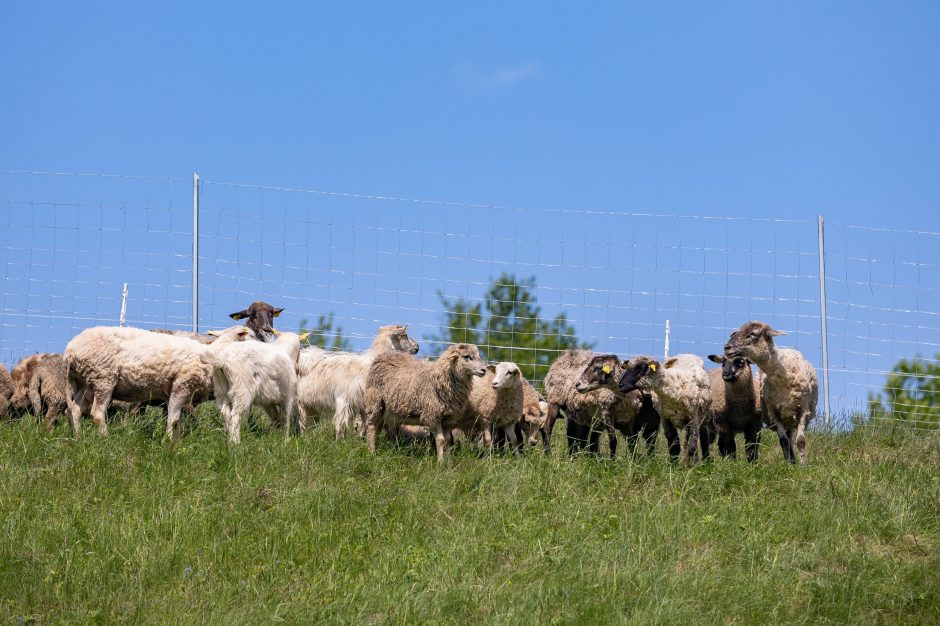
[754,341]
[465,357]
[601,371]
[259,317]
[731,367]
[635,370]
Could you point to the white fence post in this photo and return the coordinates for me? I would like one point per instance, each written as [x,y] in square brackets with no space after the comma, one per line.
[123,305]
[823,320]
[666,351]
[195,252]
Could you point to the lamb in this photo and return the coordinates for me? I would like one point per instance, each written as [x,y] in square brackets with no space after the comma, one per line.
[260,318]
[684,393]
[495,403]
[47,389]
[334,382]
[789,390]
[21,375]
[404,390]
[638,413]
[534,412]
[735,405]
[6,391]
[255,373]
[130,364]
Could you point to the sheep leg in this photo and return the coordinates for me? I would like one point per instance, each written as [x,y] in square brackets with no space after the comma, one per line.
[52,416]
[751,443]
[35,396]
[510,432]
[342,416]
[550,418]
[488,437]
[650,433]
[99,410]
[577,436]
[785,444]
[75,401]
[440,441]
[726,444]
[545,444]
[173,409]
[705,436]
[801,437]
[672,439]
[612,441]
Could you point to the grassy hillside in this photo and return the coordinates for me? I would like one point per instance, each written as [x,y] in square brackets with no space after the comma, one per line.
[131,529]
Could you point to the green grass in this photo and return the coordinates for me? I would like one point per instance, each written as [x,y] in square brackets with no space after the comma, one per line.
[131,529]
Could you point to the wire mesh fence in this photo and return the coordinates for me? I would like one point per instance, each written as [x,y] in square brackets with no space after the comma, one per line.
[70,242]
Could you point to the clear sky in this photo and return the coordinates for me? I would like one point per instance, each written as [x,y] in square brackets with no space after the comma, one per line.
[719,109]
[785,109]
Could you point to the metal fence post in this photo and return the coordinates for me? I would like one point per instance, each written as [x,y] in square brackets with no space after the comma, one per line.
[195,252]
[823,320]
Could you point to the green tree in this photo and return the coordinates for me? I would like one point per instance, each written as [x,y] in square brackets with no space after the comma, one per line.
[508,326]
[323,335]
[911,393]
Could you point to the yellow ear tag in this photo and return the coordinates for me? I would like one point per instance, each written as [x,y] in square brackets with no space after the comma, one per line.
[652,367]
[606,369]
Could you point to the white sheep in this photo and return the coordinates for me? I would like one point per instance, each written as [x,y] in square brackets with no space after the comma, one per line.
[403,390]
[789,389]
[495,403]
[684,393]
[334,382]
[134,365]
[261,373]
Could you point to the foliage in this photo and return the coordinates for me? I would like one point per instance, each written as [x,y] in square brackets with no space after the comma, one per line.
[508,325]
[323,335]
[911,393]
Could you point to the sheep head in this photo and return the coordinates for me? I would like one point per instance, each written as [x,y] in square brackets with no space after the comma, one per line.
[465,358]
[600,372]
[398,339]
[731,367]
[638,371]
[754,341]
[260,317]
[505,374]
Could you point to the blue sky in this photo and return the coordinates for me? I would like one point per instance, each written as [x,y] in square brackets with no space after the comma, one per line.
[731,110]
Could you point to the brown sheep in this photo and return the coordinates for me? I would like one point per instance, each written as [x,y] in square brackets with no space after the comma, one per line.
[735,405]
[47,389]
[6,391]
[260,318]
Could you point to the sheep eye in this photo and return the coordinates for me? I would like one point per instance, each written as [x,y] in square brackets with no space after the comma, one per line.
[467,357]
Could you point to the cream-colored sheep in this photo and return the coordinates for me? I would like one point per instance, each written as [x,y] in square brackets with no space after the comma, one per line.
[133,365]
[534,412]
[47,389]
[6,391]
[789,389]
[21,375]
[262,373]
[495,403]
[684,393]
[403,390]
[334,382]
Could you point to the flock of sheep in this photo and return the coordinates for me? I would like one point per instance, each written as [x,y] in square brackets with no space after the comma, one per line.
[456,396]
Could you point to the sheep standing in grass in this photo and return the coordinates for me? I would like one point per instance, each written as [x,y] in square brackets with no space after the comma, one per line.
[735,405]
[584,412]
[248,373]
[134,365]
[403,390]
[534,412]
[6,391]
[334,382]
[47,389]
[789,389]
[21,375]
[637,415]
[496,401]
[684,392]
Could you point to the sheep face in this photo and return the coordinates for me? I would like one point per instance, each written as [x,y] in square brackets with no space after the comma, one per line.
[466,359]
[635,371]
[506,375]
[260,317]
[401,342]
[598,373]
[731,367]
[754,341]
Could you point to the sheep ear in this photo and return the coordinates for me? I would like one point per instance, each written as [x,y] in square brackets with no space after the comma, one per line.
[239,315]
[278,311]
[214,333]
[491,368]
[716,358]
[671,362]
[625,364]
[774,333]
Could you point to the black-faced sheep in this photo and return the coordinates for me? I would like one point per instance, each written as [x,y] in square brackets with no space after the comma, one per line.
[247,373]
[259,318]
[334,382]
[735,405]
[682,387]
[403,390]
[789,389]
[133,365]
